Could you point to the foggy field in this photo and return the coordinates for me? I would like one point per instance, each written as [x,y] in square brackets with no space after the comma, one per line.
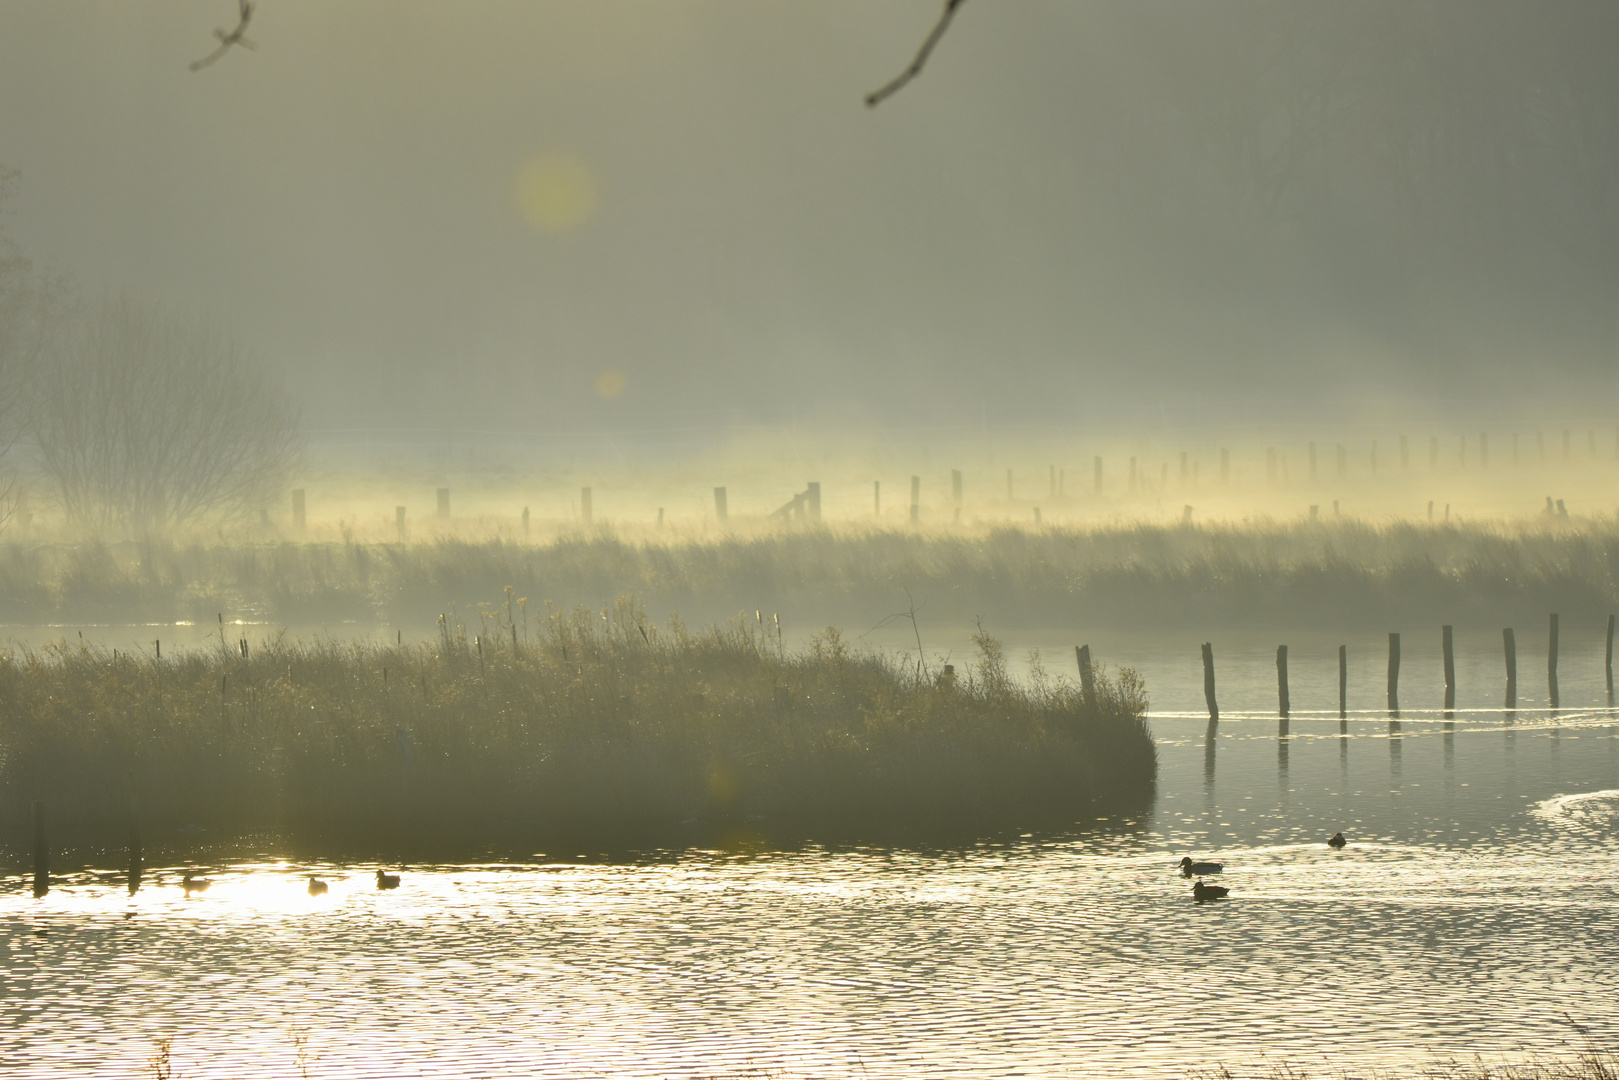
[1333,574]
[563,728]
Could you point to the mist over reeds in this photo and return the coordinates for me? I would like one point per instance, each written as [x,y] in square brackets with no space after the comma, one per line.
[594,725]
[1261,573]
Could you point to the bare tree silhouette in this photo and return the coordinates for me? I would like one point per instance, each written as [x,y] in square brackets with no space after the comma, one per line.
[227,38]
[876,97]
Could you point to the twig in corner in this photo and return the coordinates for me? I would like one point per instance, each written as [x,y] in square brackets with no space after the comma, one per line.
[876,97]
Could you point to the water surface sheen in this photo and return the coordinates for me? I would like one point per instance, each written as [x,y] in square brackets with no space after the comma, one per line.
[1474,906]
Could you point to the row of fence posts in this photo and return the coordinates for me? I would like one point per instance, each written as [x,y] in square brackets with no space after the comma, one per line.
[1447,642]
[42,853]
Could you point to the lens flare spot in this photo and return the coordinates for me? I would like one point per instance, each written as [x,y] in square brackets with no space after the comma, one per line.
[556,193]
[610,383]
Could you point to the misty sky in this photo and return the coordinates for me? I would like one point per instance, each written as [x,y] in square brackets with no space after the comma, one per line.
[478,212]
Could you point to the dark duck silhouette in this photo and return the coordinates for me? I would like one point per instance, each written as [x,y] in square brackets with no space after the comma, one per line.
[317,887]
[1337,840]
[191,883]
[1202,892]
[387,881]
[1193,869]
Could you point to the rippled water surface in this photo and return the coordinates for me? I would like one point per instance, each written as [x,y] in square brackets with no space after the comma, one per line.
[1476,904]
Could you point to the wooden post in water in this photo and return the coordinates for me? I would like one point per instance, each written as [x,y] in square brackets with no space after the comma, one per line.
[916,499]
[1087,678]
[1509,645]
[443,503]
[586,509]
[1609,664]
[1208,681]
[42,854]
[298,509]
[722,508]
[1394,673]
[1343,682]
[399,522]
[1450,666]
[1551,661]
[1282,700]
[136,863]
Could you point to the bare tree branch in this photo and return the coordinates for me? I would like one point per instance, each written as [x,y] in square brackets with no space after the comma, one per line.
[227,38]
[876,97]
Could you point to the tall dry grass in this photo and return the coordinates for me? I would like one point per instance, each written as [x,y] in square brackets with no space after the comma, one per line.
[592,725]
[1343,573]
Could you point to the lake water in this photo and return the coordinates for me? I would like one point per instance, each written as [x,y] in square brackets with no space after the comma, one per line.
[1473,912]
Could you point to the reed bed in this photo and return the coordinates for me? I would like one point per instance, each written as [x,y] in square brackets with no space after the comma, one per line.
[594,724]
[1264,574]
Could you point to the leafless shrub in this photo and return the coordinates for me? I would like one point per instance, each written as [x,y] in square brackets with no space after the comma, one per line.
[145,422]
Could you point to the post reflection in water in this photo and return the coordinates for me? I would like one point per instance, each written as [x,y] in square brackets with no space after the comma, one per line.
[1208,753]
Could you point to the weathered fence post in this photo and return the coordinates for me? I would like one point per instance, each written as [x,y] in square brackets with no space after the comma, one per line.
[1343,682]
[1609,663]
[298,509]
[1394,672]
[1087,679]
[1208,681]
[443,502]
[1450,666]
[1551,660]
[525,520]
[877,498]
[1509,645]
[916,499]
[722,509]
[1282,701]
[42,854]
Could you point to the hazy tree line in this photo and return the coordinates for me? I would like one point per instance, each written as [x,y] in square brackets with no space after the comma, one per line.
[132,419]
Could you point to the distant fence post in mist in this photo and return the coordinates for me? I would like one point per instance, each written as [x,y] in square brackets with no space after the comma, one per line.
[721,510]
[1430,509]
[1509,646]
[877,498]
[1447,645]
[525,520]
[1225,465]
[1394,672]
[1405,452]
[42,854]
[813,501]
[1208,681]
[1551,663]
[1186,514]
[1087,680]
[1343,682]
[1609,662]
[443,503]
[1282,700]
[916,499]
[1312,463]
[1099,475]
[298,509]
[399,522]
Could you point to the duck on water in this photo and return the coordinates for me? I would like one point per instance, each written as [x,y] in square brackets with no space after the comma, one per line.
[1195,869]
[1202,892]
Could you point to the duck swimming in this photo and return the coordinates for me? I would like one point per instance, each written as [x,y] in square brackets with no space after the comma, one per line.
[1337,840]
[1194,869]
[317,887]
[192,883]
[1202,892]
[387,881]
